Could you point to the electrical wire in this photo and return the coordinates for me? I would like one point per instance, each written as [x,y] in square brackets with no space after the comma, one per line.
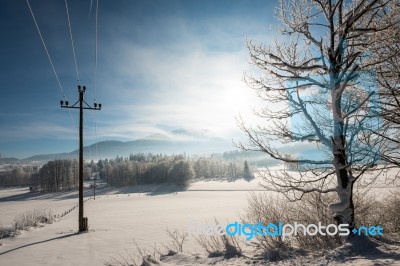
[95,72]
[94,81]
[48,56]
[95,52]
[45,48]
[90,9]
[72,41]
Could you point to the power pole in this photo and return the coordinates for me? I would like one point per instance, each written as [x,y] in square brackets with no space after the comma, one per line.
[82,221]
[94,186]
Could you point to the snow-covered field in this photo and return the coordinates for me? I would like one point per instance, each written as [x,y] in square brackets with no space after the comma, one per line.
[117,217]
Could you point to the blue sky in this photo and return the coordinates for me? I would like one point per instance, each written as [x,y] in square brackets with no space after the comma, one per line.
[162,65]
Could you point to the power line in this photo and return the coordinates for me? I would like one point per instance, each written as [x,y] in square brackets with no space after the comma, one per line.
[95,92]
[48,56]
[90,9]
[72,41]
[45,48]
[95,50]
[95,71]
[95,77]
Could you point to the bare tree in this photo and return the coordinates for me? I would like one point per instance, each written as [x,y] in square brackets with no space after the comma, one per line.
[389,96]
[320,84]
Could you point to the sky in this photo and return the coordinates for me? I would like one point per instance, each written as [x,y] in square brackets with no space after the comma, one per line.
[161,66]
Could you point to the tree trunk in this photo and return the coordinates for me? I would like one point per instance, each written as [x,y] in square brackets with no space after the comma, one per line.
[343,210]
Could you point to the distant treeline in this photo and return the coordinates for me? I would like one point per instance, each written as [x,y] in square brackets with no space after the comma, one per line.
[257,158]
[178,169]
[134,170]
[57,175]
[53,176]
[19,176]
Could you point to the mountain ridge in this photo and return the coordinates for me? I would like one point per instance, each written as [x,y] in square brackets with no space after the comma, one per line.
[175,142]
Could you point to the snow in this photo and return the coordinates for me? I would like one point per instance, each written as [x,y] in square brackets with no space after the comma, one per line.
[117,216]
[114,220]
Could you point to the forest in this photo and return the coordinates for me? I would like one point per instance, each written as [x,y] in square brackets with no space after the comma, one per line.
[137,169]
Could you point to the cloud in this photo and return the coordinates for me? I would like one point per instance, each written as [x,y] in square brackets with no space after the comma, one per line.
[187,85]
[173,70]
[37,130]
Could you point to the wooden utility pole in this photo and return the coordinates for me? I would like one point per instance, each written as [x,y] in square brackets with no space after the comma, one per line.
[82,221]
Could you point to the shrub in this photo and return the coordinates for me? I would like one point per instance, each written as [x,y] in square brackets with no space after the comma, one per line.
[384,212]
[266,209]
[4,233]
[32,219]
[177,240]
[312,209]
[139,257]
[219,245]
[391,209]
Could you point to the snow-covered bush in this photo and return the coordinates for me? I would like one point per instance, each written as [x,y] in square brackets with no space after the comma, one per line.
[371,211]
[313,208]
[177,240]
[219,245]
[1,231]
[392,213]
[32,219]
[144,257]
[264,208]
[267,209]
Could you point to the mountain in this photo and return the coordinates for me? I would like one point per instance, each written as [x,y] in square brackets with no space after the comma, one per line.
[5,160]
[174,142]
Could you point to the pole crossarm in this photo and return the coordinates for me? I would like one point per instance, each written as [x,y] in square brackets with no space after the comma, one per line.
[65,104]
[84,108]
